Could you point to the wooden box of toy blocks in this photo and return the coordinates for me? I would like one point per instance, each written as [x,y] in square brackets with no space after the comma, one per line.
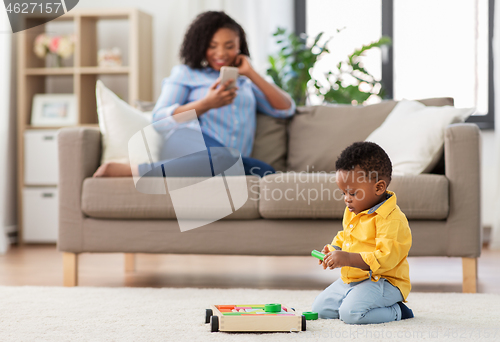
[254,317]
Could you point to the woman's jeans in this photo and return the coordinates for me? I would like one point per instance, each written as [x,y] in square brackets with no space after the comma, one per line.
[184,154]
[362,302]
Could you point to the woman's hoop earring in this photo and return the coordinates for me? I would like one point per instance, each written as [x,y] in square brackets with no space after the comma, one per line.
[204,62]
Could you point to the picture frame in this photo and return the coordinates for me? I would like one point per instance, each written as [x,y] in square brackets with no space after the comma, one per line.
[50,110]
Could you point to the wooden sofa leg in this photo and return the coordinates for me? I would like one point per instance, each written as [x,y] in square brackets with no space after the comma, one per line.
[70,269]
[129,262]
[469,271]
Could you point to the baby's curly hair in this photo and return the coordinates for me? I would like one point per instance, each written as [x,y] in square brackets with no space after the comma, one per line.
[370,157]
[200,32]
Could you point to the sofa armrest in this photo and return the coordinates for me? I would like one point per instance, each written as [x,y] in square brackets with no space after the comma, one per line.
[462,168]
[79,156]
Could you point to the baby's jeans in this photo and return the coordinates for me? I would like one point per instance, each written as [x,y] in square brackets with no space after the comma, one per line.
[182,155]
[362,302]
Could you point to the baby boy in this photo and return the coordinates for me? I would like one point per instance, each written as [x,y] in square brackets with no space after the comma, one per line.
[372,247]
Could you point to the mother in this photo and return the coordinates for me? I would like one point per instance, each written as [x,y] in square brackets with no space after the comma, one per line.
[227,117]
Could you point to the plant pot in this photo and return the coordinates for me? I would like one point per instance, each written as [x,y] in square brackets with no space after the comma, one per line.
[55,61]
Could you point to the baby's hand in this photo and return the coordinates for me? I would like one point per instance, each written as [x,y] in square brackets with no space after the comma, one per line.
[324,263]
[324,251]
[336,259]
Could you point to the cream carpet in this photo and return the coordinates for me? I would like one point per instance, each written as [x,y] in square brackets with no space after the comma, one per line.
[147,314]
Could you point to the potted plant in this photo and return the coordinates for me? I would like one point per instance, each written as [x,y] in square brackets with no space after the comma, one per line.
[57,47]
[291,70]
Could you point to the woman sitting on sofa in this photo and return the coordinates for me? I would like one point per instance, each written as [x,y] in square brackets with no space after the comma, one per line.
[227,117]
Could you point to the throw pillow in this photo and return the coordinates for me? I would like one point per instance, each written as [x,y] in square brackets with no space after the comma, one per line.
[317,137]
[413,135]
[270,141]
[119,122]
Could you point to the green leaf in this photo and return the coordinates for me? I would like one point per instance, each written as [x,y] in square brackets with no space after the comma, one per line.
[290,68]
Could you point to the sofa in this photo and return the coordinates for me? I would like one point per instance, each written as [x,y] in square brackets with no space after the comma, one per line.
[109,215]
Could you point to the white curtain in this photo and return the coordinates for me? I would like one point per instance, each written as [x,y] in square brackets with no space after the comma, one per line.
[495,241]
[7,133]
[259,19]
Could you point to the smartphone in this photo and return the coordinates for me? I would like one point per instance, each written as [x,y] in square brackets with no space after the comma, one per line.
[228,73]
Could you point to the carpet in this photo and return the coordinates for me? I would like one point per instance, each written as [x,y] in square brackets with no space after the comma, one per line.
[32,313]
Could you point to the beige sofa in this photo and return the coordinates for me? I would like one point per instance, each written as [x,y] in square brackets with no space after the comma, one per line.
[108,215]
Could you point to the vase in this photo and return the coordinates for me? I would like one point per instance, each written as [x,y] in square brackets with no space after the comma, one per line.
[55,61]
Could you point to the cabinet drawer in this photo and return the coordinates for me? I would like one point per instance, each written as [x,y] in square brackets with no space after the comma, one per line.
[40,214]
[40,157]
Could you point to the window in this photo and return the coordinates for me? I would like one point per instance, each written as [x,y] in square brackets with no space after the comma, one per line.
[440,48]
[358,27]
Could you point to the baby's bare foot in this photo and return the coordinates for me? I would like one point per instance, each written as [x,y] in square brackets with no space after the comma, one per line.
[113,170]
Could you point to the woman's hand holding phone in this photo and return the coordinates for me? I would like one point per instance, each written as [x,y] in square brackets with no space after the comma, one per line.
[220,96]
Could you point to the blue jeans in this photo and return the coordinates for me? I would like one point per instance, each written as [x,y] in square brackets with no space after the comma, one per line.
[185,155]
[362,302]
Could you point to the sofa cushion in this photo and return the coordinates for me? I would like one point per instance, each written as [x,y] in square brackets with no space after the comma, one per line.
[117,198]
[295,195]
[270,141]
[316,138]
[119,123]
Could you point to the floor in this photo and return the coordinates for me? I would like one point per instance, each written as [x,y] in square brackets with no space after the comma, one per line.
[41,265]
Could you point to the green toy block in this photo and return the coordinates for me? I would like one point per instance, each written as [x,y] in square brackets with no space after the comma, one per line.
[318,254]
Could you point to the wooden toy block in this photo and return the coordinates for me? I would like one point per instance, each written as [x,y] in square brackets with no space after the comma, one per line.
[318,254]
[310,315]
[253,306]
[225,307]
[272,308]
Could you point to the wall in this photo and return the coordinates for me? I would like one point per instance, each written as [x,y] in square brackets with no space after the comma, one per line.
[8,198]
[488,178]
[495,188]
